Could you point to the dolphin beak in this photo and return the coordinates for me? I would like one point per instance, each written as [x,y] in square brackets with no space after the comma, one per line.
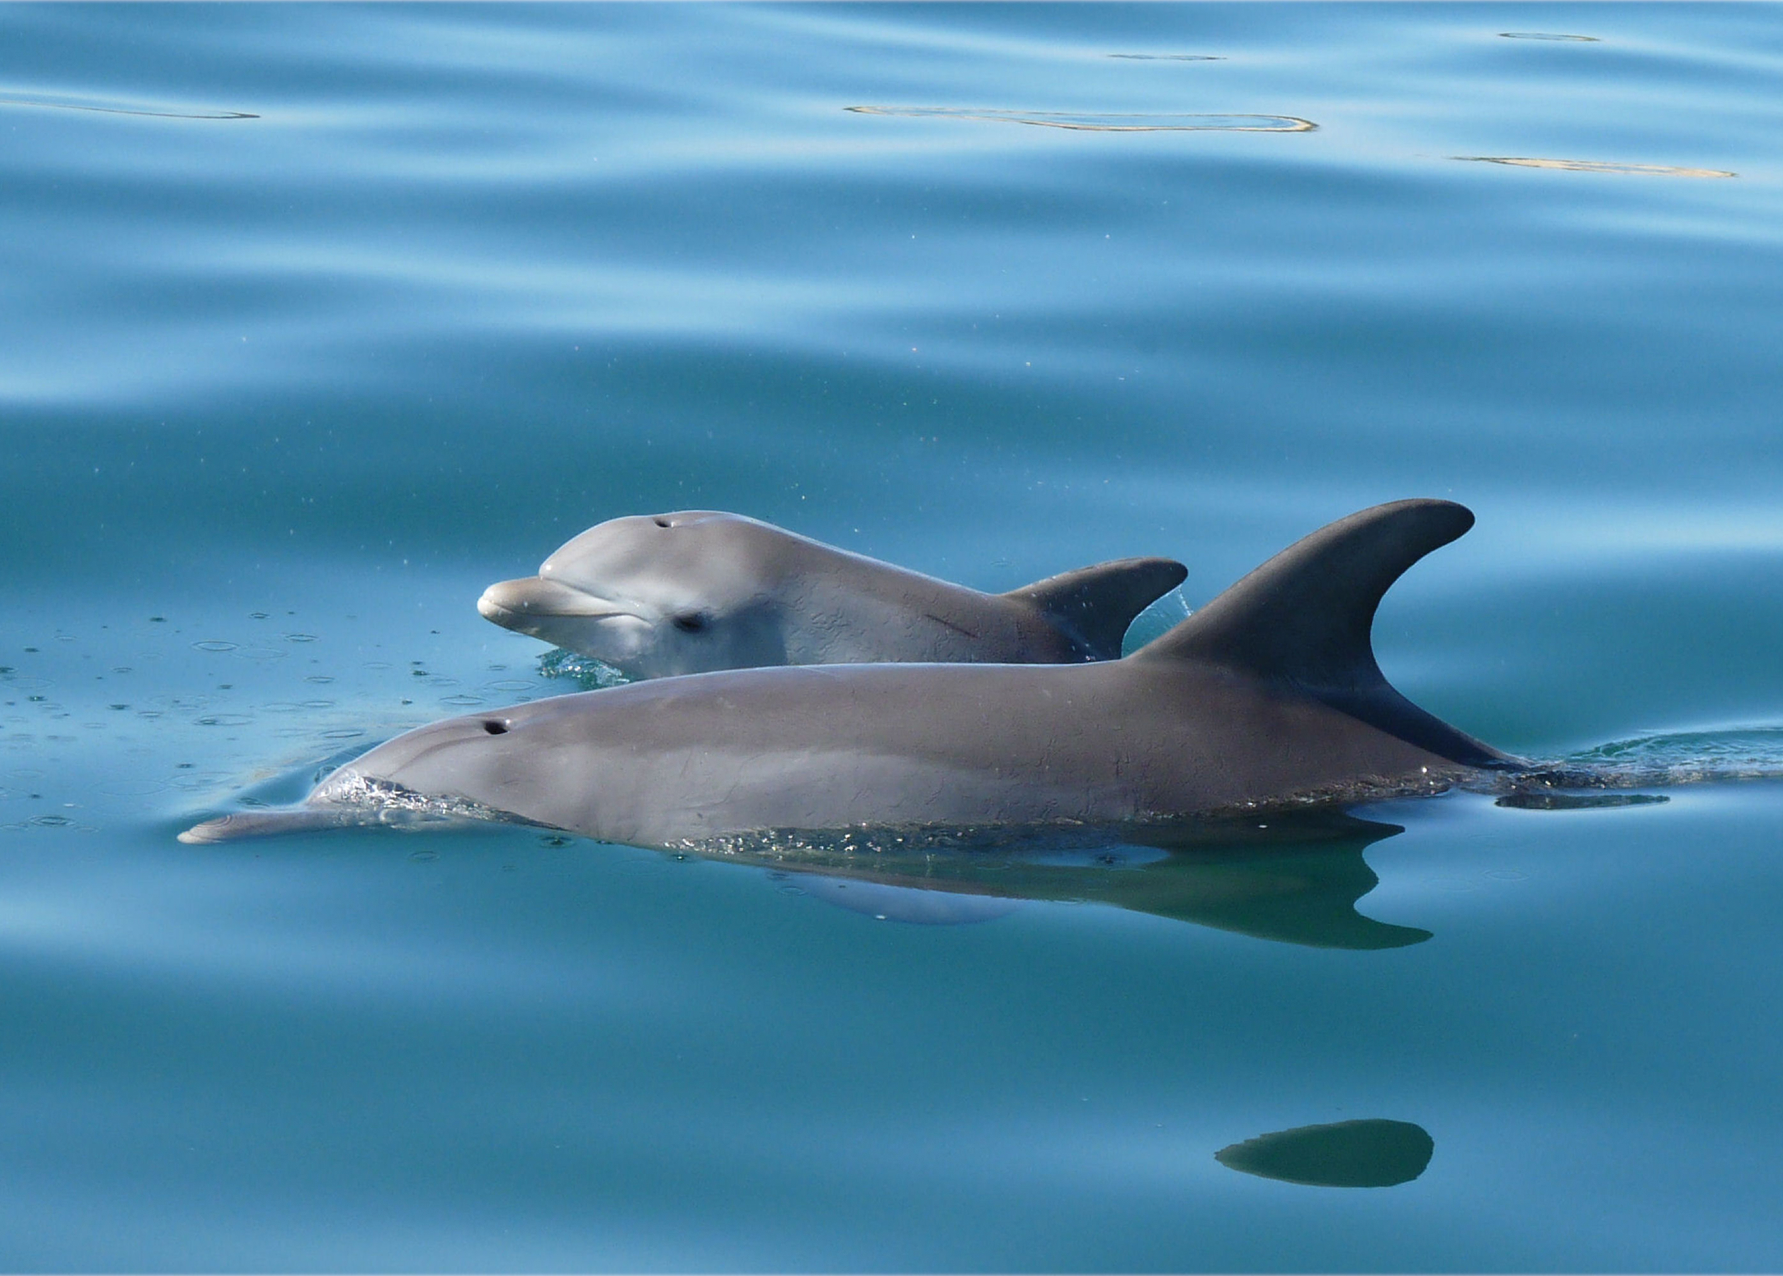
[514,602]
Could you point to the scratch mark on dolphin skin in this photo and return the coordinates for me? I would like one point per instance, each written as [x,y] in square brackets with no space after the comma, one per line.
[958,629]
[47,104]
[1597,166]
[1106,123]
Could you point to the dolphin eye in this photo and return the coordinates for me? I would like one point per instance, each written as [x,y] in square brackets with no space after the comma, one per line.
[661,522]
[690,622]
[495,728]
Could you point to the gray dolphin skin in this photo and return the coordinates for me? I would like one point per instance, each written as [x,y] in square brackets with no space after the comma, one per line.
[1268,698]
[699,590]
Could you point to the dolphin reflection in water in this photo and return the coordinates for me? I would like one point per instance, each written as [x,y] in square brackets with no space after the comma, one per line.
[1295,880]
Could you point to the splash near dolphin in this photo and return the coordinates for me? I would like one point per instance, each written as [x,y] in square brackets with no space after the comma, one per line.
[700,590]
[1268,698]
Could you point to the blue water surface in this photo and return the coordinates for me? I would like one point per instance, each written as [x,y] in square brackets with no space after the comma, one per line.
[315,320]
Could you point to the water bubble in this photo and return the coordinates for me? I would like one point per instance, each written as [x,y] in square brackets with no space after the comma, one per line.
[215,644]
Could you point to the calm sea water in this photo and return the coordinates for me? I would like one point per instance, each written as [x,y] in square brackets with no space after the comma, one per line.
[316,320]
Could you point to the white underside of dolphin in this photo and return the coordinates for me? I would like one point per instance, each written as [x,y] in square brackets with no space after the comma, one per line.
[1268,697]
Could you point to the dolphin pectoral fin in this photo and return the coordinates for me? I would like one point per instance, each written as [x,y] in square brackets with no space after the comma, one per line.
[1306,617]
[1096,605]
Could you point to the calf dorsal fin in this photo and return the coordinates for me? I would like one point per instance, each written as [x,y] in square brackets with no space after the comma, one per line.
[1095,605]
[1306,617]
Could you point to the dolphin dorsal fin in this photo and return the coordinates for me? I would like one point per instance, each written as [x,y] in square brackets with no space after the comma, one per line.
[1306,618]
[1095,605]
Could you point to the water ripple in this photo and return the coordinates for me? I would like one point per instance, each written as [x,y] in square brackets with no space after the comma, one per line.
[1547,35]
[1597,166]
[1104,122]
[57,103]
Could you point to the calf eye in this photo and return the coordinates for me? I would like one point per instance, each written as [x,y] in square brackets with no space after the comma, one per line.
[690,622]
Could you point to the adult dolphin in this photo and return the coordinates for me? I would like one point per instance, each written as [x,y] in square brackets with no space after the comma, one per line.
[699,590]
[1268,697]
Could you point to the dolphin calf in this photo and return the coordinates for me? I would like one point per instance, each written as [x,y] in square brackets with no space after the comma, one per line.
[1267,698]
[699,590]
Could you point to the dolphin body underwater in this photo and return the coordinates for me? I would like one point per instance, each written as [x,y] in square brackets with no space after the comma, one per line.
[696,591]
[1269,698]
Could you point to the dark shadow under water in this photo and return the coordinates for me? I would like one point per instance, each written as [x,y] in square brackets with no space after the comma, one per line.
[1292,879]
[1369,1153]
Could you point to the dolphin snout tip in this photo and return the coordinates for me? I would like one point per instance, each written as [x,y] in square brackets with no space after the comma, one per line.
[507,600]
[210,832]
[489,609]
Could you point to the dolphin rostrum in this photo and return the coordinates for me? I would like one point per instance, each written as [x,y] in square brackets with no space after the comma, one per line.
[1267,698]
[695,591]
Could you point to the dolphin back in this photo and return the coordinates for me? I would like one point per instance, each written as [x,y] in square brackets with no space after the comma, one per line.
[1305,618]
[1095,606]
